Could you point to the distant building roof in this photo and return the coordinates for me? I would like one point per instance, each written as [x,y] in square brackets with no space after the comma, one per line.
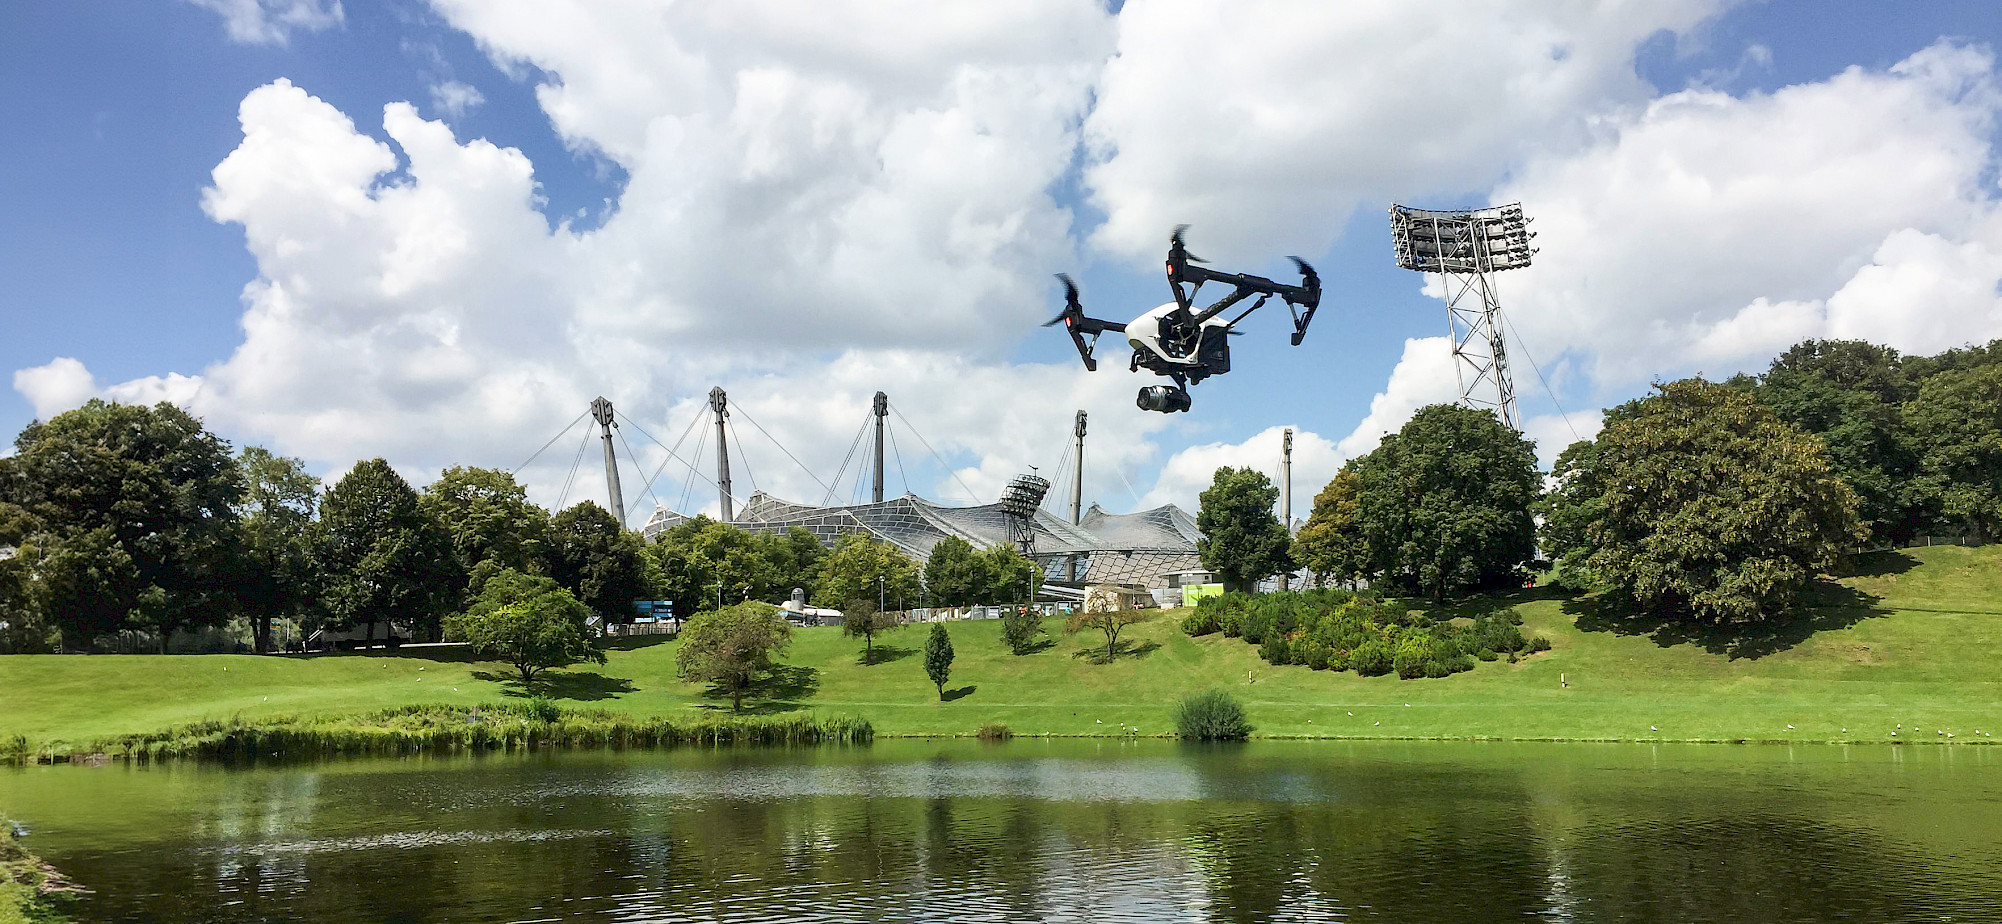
[1139,547]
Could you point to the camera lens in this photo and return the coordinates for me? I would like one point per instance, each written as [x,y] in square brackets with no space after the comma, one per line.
[1164,398]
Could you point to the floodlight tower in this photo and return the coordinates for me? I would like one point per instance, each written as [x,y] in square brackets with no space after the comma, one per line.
[601,411]
[1018,505]
[1465,247]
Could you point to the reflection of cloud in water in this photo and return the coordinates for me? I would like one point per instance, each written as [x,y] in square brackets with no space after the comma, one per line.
[403,840]
[1057,780]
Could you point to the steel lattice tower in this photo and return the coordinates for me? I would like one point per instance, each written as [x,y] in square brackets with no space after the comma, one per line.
[1466,248]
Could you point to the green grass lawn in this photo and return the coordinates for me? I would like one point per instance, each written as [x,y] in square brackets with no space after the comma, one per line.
[1914,640]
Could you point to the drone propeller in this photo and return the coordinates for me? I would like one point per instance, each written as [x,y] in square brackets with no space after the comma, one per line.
[1072,309]
[1175,240]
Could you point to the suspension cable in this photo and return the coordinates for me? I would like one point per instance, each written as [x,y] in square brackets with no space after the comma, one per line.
[743,456]
[975,498]
[1509,326]
[626,514]
[739,409]
[670,453]
[574,463]
[898,454]
[552,442]
[852,444]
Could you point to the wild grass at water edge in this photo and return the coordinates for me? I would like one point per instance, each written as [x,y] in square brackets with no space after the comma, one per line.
[440,729]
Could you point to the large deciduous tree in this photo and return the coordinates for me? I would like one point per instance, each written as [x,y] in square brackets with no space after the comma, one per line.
[1852,395]
[1699,504]
[1243,540]
[1443,503]
[599,561]
[135,509]
[1006,575]
[730,647]
[528,621]
[861,567]
[381,557]
[489,517]
[1955,427]
[277,576]
[1330,544]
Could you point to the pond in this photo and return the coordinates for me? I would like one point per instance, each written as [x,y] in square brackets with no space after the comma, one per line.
[1032,830]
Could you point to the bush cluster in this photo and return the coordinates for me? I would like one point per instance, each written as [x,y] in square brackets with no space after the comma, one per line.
[1211,715]
[1340,630]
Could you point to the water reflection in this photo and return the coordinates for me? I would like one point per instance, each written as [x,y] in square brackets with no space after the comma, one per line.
[1040,831]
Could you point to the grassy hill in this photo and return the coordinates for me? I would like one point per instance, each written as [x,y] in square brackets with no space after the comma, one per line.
[1914,639]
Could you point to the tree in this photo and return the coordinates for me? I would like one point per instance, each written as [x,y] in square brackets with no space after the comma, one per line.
[22,628]
[951,577]
[381,557]
[135,512]
[528,621]
[730,647]
[1019,629]
[1106,617]
[598,560]
[938,657]
[1243,540]
[1852,395]
[1699,503]
[861,617]
[1955,426]
[488,516]
[1443,504]
[861,567]
[1006,575]
[1330,544]
[277,509]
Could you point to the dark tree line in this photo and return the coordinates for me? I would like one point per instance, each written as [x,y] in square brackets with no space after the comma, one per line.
[124,520]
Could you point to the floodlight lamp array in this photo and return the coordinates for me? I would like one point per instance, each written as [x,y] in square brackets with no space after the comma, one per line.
[1023,495]
[1463,241]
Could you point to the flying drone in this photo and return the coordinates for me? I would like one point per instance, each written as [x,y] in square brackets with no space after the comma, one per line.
[1179,340]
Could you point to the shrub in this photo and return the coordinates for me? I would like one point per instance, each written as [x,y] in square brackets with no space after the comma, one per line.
[1202,621]
[994,731]
[1486,654]
[1232,623]
[1371,658]
[1413,654]
[1539,643]
[1211,715]
[1275,650]
[1313,653]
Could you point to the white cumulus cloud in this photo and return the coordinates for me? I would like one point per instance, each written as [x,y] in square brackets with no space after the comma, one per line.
[271,22]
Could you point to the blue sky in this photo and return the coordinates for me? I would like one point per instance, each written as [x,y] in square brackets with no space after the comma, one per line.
[117,114]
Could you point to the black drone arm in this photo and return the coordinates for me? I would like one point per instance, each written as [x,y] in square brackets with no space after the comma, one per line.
[1078,326]
[1303,299]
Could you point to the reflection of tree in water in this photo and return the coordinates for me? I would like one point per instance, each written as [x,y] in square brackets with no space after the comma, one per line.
[1761,868]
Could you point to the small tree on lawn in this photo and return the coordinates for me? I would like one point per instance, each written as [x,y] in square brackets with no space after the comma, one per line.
[730,647]
[861,617]
[529,622]
[1019,629]
[1108,618]
[938,657]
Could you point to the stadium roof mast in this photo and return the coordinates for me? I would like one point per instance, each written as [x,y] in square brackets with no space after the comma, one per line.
[720,403]
[1464,247]
[1077,492]
[881,410]
[601,411]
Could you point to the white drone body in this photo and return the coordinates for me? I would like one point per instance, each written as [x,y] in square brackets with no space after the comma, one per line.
[1144,333]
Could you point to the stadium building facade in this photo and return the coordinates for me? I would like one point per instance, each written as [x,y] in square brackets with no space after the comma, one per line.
[1152,548]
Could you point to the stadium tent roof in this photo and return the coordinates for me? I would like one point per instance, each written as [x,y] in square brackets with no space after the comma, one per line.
[1139,547]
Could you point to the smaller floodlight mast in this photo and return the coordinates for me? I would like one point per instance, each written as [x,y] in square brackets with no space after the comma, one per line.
[1018,505]
[1464,247]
